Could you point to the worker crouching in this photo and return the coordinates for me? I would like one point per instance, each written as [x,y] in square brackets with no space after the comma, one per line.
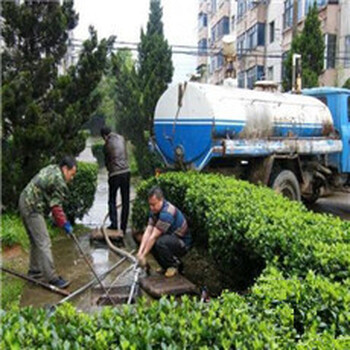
[166,236]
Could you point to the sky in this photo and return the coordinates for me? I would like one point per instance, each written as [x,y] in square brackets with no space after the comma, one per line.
[126,18]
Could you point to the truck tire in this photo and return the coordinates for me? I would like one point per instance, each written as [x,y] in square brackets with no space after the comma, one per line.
[287,184]
[308,200]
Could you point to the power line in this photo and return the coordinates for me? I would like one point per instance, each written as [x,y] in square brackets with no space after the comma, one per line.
[200,53]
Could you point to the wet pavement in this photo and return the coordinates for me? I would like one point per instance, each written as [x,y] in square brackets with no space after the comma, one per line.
[68,261]
[337,204]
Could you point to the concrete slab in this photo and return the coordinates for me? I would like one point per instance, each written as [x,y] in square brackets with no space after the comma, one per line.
[159,285]
[96,234]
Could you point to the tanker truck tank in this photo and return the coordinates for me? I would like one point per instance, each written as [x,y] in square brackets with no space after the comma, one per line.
[197,122]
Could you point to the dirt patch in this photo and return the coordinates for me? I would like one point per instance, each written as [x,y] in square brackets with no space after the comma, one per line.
[9,253]
[200,269]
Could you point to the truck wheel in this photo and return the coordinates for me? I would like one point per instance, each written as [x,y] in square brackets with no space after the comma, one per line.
[308,200]
[287,184]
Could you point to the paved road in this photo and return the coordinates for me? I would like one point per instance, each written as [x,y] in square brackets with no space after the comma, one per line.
[337,204]
[97,213]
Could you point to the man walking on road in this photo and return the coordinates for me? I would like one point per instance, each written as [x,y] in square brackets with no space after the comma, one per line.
[166,235]
[116,160]
[44,193]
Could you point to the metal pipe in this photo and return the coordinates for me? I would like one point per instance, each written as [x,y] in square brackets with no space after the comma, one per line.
[123,273]
[91,267]
[91,283]
[135,283]
[47,286]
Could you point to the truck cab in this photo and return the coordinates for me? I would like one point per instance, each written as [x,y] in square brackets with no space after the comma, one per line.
[338,102]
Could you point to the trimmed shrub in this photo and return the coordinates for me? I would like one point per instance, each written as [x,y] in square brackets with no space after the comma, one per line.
[234,218]
[82,191]
[289,307]
[225,323]
[319,304]
[97,152]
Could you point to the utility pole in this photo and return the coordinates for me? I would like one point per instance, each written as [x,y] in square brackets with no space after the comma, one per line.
[296,74]
[295,18]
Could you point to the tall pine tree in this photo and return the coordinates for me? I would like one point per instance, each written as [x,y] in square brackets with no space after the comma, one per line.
[154,63]
[310,45]
[139,86]
[42,112]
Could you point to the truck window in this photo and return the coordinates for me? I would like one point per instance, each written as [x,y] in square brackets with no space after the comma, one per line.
[349,109]
[322,99]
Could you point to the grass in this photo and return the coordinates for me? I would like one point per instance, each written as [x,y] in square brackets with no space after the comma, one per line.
[13,233]
[11,290]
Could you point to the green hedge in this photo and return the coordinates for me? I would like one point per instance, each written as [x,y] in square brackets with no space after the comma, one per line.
[289,306]
[225,323]
[319,304]
[97,152]
[279,314]
[226,214]
[81,191]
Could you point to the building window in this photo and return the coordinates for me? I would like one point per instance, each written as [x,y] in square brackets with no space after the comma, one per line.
[283,71]
[212,65]
[233,19]
[241,80]
[330,44]
[202,47]
[347,52]
[241,9]
[252,39]
[202,20]
[270,73]
[261,34]
[272,31]
[220,61]
[223,26]
[220,29]
[254,74]
[240,45]
[213,6]
[213,34]
[288,14]
[319,3]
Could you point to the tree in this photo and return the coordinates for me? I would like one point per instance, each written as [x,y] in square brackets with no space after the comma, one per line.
[43,112]
[138,87]
[154,62]
[347,84]
[311,46]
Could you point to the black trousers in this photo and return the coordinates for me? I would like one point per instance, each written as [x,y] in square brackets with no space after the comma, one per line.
[168,249]
[115,182]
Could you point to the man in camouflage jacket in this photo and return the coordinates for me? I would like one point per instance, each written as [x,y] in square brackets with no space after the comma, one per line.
[45,193]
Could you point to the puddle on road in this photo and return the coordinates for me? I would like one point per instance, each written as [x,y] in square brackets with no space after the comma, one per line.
[72,266]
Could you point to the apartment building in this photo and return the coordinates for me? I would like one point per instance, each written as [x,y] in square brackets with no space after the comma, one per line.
[203,40]
[215,20]
[251,40]
[264,30]
[334,17]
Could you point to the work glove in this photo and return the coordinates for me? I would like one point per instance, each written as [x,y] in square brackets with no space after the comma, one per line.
[68,228]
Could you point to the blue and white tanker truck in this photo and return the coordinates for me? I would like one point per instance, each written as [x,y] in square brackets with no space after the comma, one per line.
[296,144]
